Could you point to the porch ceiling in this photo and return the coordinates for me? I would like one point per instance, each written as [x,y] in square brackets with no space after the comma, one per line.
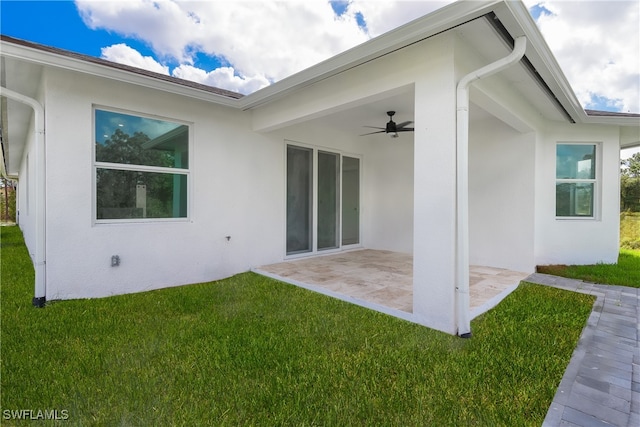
[490,46]
[353,121]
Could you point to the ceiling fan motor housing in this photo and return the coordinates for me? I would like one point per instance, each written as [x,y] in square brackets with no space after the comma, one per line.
[391,125]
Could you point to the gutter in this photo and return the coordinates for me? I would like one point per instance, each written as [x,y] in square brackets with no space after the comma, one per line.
[39,260]
[463,320]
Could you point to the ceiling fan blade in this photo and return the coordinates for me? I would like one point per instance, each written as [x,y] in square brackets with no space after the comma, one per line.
[374,127]
[405,130]
[371,133]
[403,124]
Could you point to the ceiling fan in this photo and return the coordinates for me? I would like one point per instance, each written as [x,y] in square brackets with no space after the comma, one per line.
[392,128]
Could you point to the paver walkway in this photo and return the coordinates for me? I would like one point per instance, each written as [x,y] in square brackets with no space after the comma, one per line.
[601,385]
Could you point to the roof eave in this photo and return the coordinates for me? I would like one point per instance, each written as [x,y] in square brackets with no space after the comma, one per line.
[614,121]
[50,59]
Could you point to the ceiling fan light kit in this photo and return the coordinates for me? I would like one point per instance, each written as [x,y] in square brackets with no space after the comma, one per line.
[392,128]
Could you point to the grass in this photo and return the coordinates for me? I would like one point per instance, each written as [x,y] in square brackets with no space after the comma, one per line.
[625,273]
[253,351]
[630,230]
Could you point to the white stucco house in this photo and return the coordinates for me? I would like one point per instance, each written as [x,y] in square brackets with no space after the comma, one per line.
[130,180]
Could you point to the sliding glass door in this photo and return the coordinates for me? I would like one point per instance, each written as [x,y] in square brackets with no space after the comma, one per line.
[299,199]
[350,201]
[328,200]
[323,200]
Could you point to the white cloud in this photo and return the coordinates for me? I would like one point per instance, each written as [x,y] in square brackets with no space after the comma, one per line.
[597,43]
[222,77]
[383,16]
[628,152]
[272,39]
[123,54]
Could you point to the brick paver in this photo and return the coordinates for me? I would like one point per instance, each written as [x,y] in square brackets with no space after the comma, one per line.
[601,385]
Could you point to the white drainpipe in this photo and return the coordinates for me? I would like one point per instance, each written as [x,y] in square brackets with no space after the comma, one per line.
[39,260]
[462,165]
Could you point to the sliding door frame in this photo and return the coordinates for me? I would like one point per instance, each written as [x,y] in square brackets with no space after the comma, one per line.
[314,203]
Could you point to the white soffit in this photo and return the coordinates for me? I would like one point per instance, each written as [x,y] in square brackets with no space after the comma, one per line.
[483,39]
[20,77]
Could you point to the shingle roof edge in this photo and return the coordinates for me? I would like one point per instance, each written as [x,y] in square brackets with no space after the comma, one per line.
[122,67]
[599,113]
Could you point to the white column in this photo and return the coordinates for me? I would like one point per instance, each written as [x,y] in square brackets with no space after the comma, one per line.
[435,200]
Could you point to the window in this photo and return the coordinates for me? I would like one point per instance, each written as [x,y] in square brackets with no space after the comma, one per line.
[141,167]
[575,180]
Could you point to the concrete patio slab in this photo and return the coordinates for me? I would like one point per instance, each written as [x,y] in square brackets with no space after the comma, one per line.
[383,280]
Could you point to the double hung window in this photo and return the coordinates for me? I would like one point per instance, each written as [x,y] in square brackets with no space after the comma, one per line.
[576,179]
[141,167]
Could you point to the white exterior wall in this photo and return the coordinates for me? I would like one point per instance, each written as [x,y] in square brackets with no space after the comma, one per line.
[26,214]
[389,194]
[501,196]
[235,178]
[578,241]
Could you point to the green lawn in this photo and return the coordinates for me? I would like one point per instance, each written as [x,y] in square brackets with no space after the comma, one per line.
[625,273]
[253,351]
[630,230]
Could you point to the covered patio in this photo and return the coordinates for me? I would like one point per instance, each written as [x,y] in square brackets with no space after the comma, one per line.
[383,280]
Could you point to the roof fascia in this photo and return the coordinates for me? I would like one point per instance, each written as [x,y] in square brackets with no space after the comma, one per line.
[50,59]
[439,21]
[613,121]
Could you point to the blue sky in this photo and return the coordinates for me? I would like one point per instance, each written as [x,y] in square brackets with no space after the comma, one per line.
[245,45]
[58,23]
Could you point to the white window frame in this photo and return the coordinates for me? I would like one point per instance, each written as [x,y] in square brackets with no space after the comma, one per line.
[595,181]
[137,168]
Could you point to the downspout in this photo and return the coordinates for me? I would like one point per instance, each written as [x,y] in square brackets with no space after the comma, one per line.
[39,260]
[462,179]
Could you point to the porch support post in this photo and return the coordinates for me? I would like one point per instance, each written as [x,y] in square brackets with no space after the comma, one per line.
[434,189]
